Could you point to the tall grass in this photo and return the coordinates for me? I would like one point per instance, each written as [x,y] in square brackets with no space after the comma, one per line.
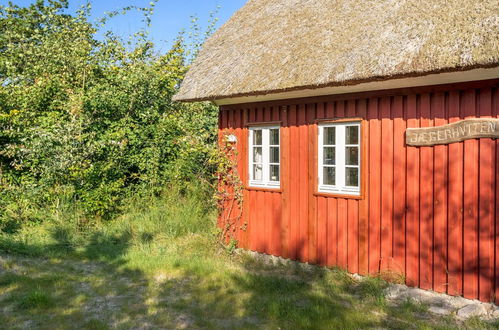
[148,226]
[177,212]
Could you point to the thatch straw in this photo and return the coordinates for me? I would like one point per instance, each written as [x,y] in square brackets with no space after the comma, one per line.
[279,45]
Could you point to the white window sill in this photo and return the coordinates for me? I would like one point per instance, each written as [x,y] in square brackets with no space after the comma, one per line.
[264,185]
[331,190]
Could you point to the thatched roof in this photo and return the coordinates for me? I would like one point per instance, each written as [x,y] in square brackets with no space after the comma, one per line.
[273,46]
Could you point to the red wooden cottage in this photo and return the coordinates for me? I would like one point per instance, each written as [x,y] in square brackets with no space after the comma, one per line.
[366,134]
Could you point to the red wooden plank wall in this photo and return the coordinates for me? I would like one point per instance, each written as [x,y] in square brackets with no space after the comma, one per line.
[429,213]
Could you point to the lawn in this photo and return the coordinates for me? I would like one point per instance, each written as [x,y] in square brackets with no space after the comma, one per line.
[160,267]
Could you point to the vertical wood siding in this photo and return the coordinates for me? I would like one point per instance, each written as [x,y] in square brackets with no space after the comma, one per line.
[429,213]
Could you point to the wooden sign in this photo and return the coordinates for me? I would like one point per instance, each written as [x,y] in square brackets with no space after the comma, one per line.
[474,128]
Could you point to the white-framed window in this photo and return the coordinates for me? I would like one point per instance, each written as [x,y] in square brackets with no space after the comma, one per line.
[339,158]
[264,156]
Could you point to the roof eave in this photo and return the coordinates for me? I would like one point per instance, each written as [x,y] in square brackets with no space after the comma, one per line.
[444,76]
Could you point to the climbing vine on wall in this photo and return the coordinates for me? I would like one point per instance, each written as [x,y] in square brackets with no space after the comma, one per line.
[229,195]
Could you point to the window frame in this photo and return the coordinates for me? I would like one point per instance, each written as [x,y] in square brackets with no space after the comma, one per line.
[340,188]
[265,183]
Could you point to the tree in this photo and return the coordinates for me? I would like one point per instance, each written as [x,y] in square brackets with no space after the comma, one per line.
[92,121]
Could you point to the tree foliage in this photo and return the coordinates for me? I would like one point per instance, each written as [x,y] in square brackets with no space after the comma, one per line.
[91,121]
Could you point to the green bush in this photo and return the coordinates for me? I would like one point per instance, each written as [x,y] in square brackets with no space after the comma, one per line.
[85,123]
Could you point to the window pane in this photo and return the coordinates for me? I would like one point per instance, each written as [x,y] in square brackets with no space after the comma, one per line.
[274,136]
[329,176]
[352,155]
[274,154]
[257,137]
[257,172]
[329,135]
[257,155]
[329,156]
[352,135]
[274,172]
[352,177]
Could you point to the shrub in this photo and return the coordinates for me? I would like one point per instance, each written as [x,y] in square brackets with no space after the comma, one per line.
[90,123]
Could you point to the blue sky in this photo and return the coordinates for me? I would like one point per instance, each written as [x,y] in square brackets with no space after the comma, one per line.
[170,16]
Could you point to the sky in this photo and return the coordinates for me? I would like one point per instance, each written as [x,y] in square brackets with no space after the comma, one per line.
[170,16]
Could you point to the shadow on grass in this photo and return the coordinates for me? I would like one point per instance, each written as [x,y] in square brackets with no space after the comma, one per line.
[96,246]
[298,303]
[85,288]
[292,297]
[267,297]
[91,287]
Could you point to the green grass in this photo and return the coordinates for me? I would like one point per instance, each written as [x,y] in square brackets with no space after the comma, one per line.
[159,267]
[37,298]
[371,289]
